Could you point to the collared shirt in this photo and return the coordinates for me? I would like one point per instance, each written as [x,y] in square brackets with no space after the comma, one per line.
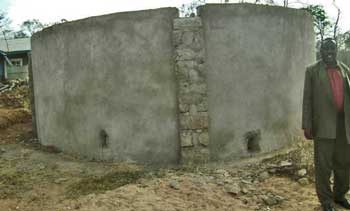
[337,83]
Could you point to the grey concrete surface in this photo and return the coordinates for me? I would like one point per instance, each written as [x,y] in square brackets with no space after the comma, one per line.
[111,73]
[255,61]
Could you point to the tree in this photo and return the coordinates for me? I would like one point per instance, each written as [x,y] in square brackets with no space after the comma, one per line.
[344,41]
[335,28]
[4,24]
[322,23]
[4,27]
[29,27]
[189,10]
[20,34]
[347,41]
[284,3]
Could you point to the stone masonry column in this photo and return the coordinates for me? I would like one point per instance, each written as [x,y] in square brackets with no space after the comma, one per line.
[192,89]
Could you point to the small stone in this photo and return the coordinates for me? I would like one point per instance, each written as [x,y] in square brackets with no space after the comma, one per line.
[184,87]
[41,166]
[143,185]
[185,54]
[199,121]
[245,190]
[252,189]
[285,163]
[193,110]
[279,198]
[272,171]
[263,176]
[199,182]
[187,37]
[228,181]
[198,41]
[267,200]
[302,172]
[183,107]
[198,88]
[222,172]
[186,139]
[272,165]
[200,56]
[60,180]
[204,139]
[246,181]
[233,189]
[77,206]
[130,161]
[2,150]
[187,23]
[271,199]
[190,98]
[193,75]
[174,185]
[195,136]
[202,106]
[204,154]
[303,181]
[177,38]
[176,178]
[181,70]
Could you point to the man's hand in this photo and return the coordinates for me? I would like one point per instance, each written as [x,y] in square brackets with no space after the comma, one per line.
[308,134]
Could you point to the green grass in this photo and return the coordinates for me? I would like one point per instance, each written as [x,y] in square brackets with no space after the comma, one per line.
[110,181]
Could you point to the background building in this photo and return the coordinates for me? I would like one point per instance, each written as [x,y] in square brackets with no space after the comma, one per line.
[14,58]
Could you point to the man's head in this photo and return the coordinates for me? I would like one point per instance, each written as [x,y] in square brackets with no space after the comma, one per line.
[329,51]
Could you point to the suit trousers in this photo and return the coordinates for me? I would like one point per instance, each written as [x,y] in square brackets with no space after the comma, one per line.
[332,155]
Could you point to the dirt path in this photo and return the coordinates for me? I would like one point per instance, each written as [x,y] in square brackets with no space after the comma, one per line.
[33,178]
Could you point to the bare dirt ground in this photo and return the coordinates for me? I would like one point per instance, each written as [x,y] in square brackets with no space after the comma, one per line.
[35,178]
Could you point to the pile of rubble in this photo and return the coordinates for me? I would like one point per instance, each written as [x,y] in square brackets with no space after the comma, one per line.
[260,187]
[14,94]
[12,84]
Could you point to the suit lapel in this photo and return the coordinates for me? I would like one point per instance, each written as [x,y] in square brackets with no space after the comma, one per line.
[345,75]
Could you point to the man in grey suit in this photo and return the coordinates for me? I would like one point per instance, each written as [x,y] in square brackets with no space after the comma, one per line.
[326,119]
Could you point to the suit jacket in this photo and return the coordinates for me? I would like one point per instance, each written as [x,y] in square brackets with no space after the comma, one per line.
[319,111]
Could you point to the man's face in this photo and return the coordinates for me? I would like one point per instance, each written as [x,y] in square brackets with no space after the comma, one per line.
[329,53]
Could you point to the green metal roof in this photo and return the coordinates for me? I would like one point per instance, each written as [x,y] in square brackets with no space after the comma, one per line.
[16,52]
[15,45]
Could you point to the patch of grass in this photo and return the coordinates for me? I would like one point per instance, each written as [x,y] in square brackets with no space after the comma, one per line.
[110,181]
[12,183]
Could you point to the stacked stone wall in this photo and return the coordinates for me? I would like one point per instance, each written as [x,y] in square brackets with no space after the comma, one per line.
[192,89]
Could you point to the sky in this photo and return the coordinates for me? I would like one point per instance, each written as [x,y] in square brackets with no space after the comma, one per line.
[49,11]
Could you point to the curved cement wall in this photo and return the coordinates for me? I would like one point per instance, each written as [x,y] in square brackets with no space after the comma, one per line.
[104,87]
[255,60]
[152,88]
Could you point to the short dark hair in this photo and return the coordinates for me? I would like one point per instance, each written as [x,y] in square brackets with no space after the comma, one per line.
[328,40]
